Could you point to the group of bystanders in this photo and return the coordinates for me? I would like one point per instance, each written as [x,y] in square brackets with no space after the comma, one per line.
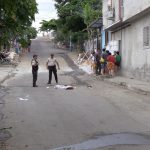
[105,63]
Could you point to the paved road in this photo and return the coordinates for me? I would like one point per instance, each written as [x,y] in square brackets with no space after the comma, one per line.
[44,118]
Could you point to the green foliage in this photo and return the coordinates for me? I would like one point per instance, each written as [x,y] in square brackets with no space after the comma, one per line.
[48,25]
[24,43]
[17,11]
[75,23]
[28,34]
[92,11]
[31,32]
[74,17]
[15,16]
[88,14]
[79,37]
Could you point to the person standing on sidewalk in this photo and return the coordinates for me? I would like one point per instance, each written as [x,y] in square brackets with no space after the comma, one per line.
[51,66]
[97,62]
[118,61]
[103,61]
[111,64]
[35,66]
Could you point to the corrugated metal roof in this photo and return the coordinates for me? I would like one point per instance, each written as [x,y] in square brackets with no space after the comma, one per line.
[96,24]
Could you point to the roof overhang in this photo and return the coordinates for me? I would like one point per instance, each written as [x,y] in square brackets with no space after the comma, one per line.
[139,14]
[114,26]
[96,24]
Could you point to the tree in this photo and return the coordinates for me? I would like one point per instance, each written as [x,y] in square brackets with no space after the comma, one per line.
[70,21]
[31,32]
[15,16]
[74,17]
[48,25]
[28,34]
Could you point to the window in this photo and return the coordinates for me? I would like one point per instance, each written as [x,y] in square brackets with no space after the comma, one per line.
[146,37]
[109,3]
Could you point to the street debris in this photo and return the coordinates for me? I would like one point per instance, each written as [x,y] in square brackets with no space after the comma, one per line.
[5,128]
[23,99]
[65,87]
[89,86]
[86,68]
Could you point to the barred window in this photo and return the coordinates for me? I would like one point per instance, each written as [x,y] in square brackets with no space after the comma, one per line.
[109,3]
[146,37]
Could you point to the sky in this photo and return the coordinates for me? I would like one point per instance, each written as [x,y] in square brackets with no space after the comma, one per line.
[46,11]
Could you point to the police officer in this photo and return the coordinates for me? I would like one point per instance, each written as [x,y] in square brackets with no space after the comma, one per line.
[35,67]
[51,66]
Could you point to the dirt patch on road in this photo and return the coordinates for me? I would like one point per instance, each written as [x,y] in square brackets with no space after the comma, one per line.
[76,74]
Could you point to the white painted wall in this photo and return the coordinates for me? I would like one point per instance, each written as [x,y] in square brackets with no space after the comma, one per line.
[90,45]
[106,22]
[115,5]
[135,58]
[132,7]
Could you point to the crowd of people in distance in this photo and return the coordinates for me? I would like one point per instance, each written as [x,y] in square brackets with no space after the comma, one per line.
[105,63]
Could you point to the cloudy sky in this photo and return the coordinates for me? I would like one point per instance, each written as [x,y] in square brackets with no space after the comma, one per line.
[46,11]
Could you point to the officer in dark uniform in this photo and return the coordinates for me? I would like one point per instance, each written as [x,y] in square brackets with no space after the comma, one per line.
[35,66]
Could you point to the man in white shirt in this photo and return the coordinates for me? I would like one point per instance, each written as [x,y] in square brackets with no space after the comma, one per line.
[51,66]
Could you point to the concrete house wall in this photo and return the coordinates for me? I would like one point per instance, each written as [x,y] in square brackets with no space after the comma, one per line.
[132,7]
[135,57]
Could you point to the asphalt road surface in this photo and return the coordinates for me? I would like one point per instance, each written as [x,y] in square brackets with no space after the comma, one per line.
[103,116]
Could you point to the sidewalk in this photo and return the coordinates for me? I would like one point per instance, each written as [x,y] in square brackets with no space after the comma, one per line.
[7,70]
[141,87]
[5,73]
[138,86]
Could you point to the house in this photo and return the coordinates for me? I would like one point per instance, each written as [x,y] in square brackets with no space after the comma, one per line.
[127,28]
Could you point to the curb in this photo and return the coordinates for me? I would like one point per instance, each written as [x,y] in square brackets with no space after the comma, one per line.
[128,86]
[6,77]
[9,75]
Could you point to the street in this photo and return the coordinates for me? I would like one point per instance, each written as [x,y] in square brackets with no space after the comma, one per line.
[46,118]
